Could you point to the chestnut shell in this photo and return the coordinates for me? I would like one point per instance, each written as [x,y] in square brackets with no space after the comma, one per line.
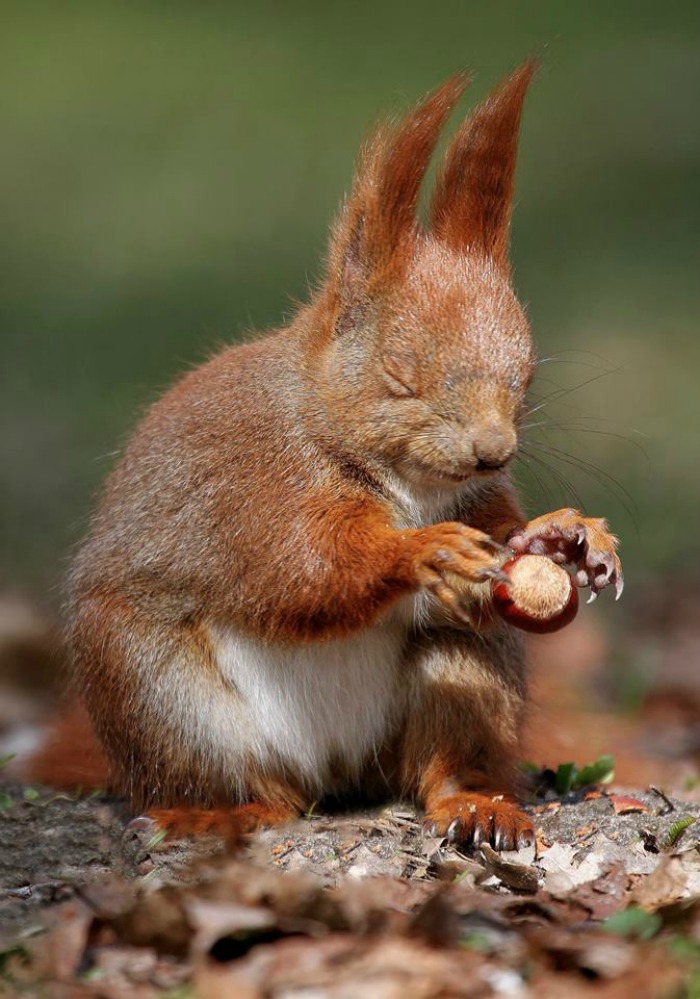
[540,597]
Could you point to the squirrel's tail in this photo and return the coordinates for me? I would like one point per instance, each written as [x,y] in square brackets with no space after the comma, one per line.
[66,754]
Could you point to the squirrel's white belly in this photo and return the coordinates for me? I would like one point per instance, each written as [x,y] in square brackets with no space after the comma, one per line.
[311,705]
[317,705]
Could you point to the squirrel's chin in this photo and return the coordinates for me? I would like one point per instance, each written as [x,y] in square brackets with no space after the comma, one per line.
[436,478]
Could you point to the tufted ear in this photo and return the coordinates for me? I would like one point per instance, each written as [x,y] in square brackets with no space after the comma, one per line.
[374,237]
[471,206]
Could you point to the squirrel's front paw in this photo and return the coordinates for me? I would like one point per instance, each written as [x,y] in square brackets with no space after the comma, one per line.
[471,818]
[453,549]
[568,536]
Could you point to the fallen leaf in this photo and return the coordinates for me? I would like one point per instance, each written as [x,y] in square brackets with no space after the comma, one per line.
[589,950]
[542,844]
[158,920]
[668,883]
[457,868]
[437,921]
[61,950]
[622,804]
[519,877]
[606,895]
[340,966]
[564,873]
[211,921]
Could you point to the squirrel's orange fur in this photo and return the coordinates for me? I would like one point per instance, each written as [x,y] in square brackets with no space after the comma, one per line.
[282,591]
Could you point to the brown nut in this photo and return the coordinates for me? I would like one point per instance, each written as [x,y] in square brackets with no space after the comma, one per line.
[539,595]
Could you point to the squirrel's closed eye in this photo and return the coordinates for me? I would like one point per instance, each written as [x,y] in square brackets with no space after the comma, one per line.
[400,375]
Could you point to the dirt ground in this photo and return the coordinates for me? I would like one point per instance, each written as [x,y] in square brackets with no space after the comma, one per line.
[606,902]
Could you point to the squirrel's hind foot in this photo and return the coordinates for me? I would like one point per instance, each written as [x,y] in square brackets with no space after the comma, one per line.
[230,823]
[472,818]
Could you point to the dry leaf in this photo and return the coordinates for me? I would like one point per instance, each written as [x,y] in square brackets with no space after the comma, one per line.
[623,804]
[61,950]
[519,877]
[668,883]
[564,871]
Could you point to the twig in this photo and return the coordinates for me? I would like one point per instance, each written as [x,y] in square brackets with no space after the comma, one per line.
[670,807]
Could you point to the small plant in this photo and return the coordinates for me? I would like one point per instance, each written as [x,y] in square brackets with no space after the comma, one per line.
[633,922]
[676,831]
[11,958]
[156,839]
[570,778]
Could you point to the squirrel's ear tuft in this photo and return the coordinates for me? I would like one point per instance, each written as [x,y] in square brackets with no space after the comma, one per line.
[471,205]
[374,236]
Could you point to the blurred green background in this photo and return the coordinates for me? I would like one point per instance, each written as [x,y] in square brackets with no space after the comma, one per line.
[169,171]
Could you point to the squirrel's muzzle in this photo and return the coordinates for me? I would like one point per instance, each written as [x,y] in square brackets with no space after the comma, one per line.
[494,446]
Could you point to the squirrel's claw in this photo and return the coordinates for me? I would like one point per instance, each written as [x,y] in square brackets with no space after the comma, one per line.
[497,575]
[469,819]
[601,569]
[566,536]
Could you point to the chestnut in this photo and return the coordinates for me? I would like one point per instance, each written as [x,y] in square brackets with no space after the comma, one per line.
[539,596]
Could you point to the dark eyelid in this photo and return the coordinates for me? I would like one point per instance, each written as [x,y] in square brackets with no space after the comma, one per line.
[397,387]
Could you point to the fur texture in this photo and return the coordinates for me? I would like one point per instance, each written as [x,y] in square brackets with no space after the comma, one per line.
[284,593]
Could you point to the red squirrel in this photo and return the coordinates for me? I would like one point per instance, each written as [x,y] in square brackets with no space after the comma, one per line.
[285,591]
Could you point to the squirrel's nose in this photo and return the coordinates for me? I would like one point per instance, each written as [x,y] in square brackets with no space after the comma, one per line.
[494,446]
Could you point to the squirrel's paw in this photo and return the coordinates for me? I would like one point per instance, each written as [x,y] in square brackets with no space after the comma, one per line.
[449,549]
[229,823]
[568,536]
[472,818]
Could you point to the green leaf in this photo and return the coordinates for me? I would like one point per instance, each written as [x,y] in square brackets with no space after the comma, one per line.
[528,767]
[16,951]
[677,830]
[179,992]
[93,975]
[479,941]
[156,839]
[600,772]
[633,922]
[4,760]
[30,794]
[150,876]
[569,778]
[566,775]
[684,948]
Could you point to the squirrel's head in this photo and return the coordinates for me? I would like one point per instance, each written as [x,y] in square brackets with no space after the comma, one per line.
[419,350]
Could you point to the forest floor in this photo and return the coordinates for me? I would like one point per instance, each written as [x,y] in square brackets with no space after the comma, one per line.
[364,904]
